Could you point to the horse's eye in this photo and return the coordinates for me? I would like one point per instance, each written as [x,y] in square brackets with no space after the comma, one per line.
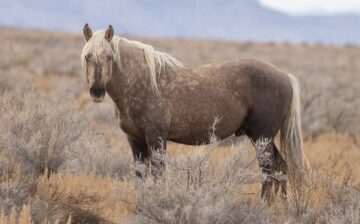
[88,57]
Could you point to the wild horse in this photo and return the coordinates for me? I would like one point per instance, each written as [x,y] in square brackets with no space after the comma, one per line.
[157,99]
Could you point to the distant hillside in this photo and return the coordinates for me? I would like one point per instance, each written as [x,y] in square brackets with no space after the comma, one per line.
[216,19]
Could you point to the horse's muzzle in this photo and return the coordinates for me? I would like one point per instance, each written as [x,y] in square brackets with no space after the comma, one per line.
[97,94]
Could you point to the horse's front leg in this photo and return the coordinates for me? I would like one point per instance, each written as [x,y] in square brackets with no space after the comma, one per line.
[140,153]
[156,142]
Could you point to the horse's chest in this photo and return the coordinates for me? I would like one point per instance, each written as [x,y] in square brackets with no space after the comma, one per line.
[129,126]
[131,118]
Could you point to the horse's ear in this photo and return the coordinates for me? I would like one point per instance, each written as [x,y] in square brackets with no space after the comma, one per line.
[109,33]
[87,32]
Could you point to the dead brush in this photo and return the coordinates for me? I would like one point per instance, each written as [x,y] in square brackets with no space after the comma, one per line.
[35,133]
[86,197]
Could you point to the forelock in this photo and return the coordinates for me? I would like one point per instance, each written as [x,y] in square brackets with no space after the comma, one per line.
[96,45]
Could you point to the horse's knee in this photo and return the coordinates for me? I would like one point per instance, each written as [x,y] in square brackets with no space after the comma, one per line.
[157,167]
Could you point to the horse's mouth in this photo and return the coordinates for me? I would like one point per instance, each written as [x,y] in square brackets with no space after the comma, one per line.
[97,99]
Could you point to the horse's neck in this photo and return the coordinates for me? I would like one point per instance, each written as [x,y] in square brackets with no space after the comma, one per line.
[131,82]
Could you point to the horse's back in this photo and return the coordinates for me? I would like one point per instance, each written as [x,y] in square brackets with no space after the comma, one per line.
[255,81]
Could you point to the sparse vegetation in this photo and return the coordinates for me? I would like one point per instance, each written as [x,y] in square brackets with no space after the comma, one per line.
[64,160]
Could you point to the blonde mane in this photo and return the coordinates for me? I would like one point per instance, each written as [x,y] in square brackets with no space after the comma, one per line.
[155,60]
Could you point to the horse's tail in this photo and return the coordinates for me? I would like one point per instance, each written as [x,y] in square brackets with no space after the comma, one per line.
[291,137]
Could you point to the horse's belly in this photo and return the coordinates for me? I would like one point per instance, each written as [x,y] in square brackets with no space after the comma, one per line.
[197,139]
[200,127]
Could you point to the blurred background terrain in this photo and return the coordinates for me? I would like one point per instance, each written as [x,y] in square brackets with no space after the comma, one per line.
[216,19]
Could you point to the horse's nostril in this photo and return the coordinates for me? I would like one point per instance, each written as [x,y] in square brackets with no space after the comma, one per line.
[97,92]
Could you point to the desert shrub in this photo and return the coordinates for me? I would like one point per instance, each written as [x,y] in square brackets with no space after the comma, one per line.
[200,188]
[324,199]
[39,138]
[4,86]
[100,152]
[344,206]
[34,137]
[15,194]
[35,133]
[204,186]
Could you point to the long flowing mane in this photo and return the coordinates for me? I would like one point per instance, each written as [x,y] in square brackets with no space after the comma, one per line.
[155,60]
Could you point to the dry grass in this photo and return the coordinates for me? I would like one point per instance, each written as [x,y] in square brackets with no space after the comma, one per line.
[64,160]
[339,153]
[84,198]
[87,197]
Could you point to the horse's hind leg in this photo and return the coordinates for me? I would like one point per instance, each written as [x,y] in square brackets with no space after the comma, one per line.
[265,156]
[261,127]
[271,161]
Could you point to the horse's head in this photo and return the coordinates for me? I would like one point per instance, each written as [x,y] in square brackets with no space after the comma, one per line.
[97,58]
